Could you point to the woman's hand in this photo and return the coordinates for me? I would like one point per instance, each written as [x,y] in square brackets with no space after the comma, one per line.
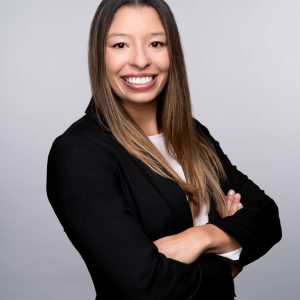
[233,203]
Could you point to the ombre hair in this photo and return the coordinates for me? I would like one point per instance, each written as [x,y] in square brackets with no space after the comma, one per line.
[202,167]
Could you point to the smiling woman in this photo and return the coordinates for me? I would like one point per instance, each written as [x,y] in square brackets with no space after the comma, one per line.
[143,191]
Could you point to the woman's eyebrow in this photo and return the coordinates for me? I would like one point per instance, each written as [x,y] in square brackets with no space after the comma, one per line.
[158,33]
[117,34]
[114,34]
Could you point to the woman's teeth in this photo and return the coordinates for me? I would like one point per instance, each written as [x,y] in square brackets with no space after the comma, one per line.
[139,80]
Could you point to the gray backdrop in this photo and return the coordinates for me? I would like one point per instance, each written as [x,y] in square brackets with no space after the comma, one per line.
[244,70]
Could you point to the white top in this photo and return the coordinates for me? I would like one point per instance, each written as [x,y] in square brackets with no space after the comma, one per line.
[202,217]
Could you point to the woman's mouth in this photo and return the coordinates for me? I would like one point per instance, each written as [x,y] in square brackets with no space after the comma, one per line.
[139,83]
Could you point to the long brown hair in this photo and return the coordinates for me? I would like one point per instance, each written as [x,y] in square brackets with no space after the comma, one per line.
[202,167]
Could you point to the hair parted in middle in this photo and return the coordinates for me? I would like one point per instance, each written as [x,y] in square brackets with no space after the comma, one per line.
[201,165]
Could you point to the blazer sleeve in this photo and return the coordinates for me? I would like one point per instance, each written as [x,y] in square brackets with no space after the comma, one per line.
[257,225]
[83,187]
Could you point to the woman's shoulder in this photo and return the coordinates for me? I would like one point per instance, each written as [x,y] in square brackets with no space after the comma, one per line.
[81,129]
[84,137]
[202,129]
[200,126]
[205,134]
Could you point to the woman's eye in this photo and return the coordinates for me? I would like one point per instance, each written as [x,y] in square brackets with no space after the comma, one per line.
[119,45]
[157,44]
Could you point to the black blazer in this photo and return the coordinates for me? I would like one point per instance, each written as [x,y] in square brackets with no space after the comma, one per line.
[112,207]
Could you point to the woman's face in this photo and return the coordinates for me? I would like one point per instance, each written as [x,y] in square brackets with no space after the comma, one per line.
[136,57]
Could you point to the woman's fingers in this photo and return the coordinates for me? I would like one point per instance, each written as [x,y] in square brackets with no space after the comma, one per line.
[233,202]
[236,204]
[230,201]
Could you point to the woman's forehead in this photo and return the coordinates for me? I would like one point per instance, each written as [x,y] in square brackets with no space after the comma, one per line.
[135,19]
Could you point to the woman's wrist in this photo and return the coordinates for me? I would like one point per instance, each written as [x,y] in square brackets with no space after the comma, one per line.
[215,240]
[202,239]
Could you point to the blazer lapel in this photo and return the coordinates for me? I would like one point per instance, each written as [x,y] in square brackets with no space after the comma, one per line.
[175,198]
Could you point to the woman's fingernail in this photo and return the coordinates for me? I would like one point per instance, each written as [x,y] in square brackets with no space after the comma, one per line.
[231,192]
[237,195]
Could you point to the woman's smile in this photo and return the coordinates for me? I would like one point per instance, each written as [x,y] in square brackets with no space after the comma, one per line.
[140,82]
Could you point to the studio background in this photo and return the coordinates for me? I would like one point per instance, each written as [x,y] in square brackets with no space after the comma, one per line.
[244,69]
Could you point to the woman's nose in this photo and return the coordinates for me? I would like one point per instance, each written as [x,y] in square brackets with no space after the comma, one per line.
[140,58]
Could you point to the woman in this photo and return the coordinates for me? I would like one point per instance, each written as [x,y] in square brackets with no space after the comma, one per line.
[143,191]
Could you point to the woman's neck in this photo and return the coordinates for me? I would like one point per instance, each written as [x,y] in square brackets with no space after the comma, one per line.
[145,117]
